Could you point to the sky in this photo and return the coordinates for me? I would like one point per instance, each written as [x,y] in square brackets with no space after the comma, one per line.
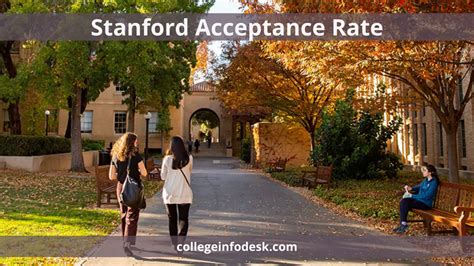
[220,6]
[223,6]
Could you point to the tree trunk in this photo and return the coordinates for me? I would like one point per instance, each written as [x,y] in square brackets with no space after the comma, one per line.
[77,161]
[313,140]
[131,120]
[14,117]
[13,105]
[132,110]
[453,160]
[84,102]
[68,127]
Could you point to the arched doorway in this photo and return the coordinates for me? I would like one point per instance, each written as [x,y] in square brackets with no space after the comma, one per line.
[204,124]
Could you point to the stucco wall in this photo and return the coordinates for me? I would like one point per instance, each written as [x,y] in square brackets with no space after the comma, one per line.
[53,162]
[103,108]
[206,100]
[273,140]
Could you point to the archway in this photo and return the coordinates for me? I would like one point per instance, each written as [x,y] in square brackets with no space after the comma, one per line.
[204,124]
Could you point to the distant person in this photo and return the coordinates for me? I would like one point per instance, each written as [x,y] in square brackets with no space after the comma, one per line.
[196,145]
[125,158]
[420,196]
[190,146]
[176,171]
[209,141]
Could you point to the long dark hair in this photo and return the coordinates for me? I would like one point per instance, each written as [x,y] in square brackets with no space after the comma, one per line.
[433,172]
[180,155]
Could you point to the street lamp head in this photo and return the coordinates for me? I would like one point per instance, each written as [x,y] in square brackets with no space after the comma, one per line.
[47,112]
[148,115]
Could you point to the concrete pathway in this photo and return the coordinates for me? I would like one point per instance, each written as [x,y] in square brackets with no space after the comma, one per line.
[234,205]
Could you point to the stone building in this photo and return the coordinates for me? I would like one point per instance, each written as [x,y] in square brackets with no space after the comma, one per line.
[421,138]
[106,118]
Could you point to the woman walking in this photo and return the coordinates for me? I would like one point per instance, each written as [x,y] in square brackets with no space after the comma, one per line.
[176,171]
[125,158]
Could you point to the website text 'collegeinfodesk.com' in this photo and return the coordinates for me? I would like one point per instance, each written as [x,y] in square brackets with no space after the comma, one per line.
[208,248]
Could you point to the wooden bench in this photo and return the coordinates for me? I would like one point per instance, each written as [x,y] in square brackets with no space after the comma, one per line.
[453,206]
[105,186]
[277,165]
[150,165]
[321,176]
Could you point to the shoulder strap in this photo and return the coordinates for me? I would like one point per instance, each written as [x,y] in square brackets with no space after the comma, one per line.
[185,178]
[128,167]
[114,162]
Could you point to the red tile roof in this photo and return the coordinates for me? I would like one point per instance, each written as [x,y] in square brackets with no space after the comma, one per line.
[203,86]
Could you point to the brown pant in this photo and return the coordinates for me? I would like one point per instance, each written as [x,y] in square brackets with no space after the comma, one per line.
[129,217]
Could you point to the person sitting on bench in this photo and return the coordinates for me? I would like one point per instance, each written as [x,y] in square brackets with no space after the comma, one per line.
[420,196]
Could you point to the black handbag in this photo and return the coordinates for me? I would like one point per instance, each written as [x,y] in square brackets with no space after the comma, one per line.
[132,194]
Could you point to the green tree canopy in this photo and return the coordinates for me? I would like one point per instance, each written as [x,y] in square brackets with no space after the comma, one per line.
[354,142]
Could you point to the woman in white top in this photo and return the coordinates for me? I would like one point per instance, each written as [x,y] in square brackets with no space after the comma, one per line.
[177,194]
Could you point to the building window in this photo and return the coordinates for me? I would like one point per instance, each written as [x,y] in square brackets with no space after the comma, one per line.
[424,109]
[118,87]
[441,144]
[120,122]
[238,131]
[415,138]
[6,121]
[86,122]
[153,124]
[408,132]
[424,144]
[463,139]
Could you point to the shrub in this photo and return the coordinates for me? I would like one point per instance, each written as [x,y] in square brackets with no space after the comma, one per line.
[93,145]
[355,142]
[33,145]
[245,152]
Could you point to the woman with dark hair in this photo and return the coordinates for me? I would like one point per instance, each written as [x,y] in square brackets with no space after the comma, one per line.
[420,196]
[125,157]
[176,171]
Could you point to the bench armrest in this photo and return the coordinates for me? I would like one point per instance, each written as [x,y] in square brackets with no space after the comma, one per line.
[460,209]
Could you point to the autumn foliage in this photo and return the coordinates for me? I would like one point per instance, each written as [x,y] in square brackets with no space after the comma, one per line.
[430,73]
[254,82]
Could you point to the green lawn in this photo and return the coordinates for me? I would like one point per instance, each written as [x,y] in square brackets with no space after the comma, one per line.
[368,198]
[51,205]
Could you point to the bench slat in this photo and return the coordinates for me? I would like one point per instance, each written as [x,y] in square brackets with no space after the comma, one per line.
[446,198]
[321,176]
[150,166]
[466,199]
[105,185]
[450,195]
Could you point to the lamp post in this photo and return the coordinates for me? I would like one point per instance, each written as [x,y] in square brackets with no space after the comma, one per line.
[46,114]
[147,119]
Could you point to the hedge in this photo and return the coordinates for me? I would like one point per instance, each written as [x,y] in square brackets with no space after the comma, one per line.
[33,145]
[93,145]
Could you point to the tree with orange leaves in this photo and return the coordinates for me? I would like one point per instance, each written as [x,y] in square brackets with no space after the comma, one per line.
[255,83]
[433,70]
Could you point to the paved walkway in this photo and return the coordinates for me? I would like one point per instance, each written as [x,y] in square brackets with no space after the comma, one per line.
[231,204]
